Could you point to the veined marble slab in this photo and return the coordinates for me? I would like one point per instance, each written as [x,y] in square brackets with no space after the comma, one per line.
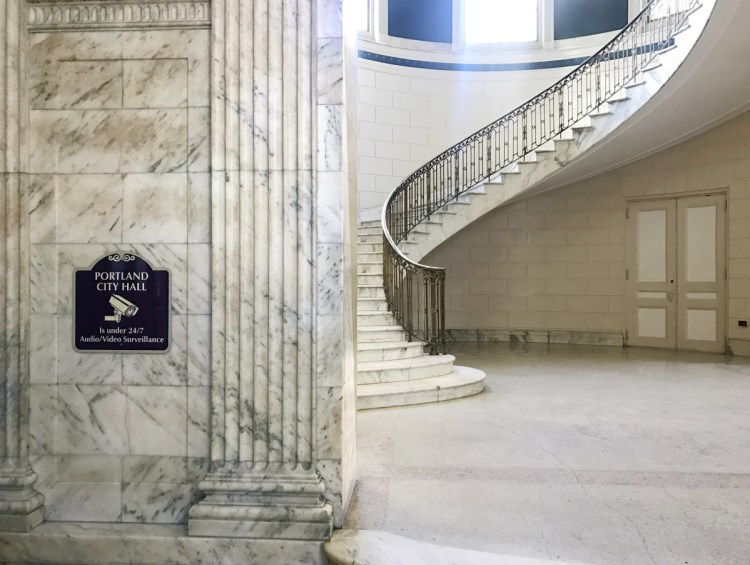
[89,543]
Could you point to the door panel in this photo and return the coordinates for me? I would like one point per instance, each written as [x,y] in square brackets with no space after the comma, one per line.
[701,318]
[651,279]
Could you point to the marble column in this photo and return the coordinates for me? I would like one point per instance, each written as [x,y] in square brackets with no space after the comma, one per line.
[21,506]
[264,480]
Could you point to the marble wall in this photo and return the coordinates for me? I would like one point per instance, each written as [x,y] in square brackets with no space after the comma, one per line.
[119,161]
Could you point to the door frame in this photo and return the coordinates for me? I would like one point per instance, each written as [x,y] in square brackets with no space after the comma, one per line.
[724,237]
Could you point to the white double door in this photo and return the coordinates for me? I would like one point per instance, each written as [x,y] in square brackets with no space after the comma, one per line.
[676,273]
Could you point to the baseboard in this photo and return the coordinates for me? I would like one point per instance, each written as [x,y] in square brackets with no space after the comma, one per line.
[739,347]
[581,337]
[91,543]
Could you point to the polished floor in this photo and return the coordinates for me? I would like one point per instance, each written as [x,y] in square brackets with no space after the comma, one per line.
[586,454]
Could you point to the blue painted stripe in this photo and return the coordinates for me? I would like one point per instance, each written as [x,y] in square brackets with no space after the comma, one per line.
[498,67]
[475,67]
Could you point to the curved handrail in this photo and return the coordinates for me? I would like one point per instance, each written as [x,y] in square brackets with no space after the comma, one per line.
[415,292]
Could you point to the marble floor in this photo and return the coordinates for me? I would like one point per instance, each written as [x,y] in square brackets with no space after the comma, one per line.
[574,453]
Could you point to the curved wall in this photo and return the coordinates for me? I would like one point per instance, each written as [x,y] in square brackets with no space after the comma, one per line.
[407,115]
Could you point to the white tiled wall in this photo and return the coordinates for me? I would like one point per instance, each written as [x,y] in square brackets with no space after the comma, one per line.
[557,260]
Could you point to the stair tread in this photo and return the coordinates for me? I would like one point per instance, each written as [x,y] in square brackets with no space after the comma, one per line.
[375,345]
[461,376]
[422,361]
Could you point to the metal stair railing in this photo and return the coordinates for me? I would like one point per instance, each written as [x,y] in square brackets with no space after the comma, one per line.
[416,293]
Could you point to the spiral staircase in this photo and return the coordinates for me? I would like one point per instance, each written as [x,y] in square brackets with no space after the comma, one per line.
[551,139]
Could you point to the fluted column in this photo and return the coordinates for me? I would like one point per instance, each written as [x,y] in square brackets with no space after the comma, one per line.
[263,481]
[21,506]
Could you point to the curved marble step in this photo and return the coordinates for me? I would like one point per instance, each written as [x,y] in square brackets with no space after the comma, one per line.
[389,350]
[423,367]
[461,382]
[374,318]
[371,304]
[388,332]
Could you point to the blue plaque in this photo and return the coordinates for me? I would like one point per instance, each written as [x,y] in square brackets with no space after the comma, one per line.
[121,304]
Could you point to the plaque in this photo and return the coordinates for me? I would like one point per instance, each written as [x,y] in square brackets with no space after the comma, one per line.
[121,304]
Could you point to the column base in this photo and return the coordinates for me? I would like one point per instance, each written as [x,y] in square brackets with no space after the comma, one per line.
[262,506]
[21,506]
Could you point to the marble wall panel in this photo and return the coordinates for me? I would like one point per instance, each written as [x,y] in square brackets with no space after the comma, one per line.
[330,148]
[120,156]
[330,78]
[83,85]
[198,350]
[89,208]
[43,343]
[154,83]
[90,420]
[199,140]
[43,403]
[156,421]
[175,44]
[169,368]
[155,208]
[68,259]
[84,502]
[89,468]
[199,208]
[330,260]
[154,469]
[44,282]
[153,140]
[42,209]
[199,279]
[157,503]
[198,411]
[330,201]
[75,141]
[51,48]
[84,368]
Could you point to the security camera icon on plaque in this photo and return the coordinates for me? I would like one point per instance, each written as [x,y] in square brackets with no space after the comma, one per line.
[122,307]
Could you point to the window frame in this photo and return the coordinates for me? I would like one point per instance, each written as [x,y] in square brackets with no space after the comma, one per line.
[378,31]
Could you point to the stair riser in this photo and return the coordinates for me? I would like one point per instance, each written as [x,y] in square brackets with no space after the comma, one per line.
[370,280]
[371,292]
[370,268]
[380,319]
[403,374]
[418,397]
[369,257]
[381,335]
[364,239]
[391,354]
[372,306]
[370,248]
[368,229]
